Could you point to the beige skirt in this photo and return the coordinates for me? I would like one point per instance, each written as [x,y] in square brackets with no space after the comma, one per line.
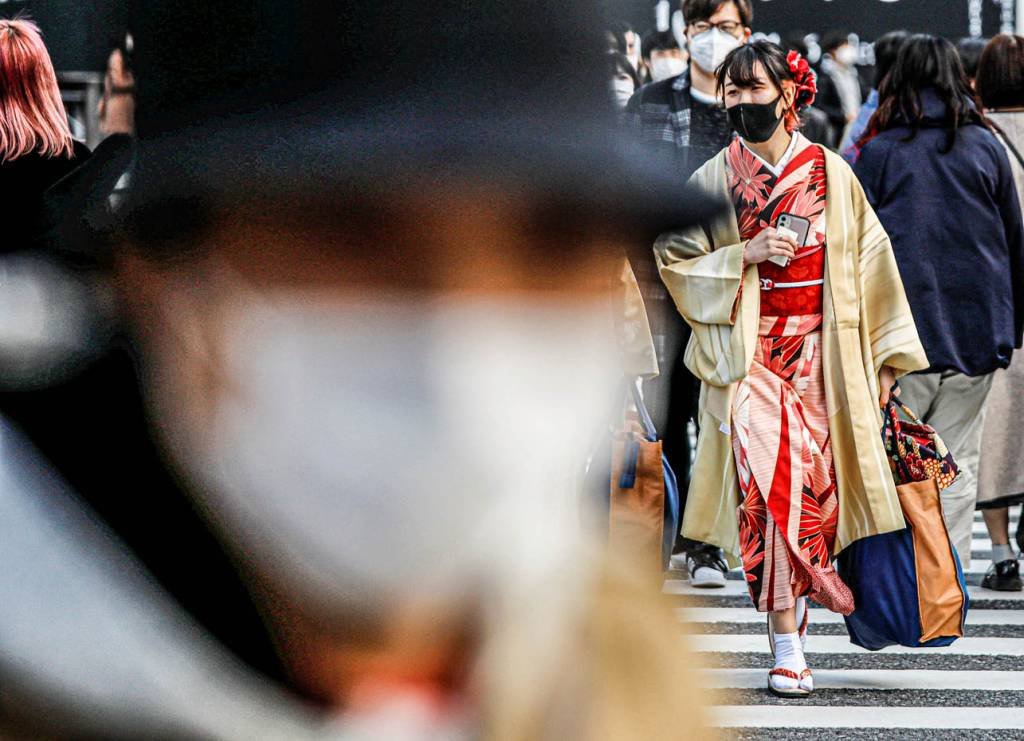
[1001,471]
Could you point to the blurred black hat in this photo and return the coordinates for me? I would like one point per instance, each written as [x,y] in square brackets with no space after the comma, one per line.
[237,97]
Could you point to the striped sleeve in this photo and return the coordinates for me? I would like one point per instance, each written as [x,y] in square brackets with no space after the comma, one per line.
[885,312]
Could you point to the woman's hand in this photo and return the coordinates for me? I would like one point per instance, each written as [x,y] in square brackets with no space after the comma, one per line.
[768,244]
[886,380]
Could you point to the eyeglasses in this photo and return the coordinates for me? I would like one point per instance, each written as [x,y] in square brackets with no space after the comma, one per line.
[730,27]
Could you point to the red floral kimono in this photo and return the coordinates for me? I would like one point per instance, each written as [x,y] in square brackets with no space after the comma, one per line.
[780,435]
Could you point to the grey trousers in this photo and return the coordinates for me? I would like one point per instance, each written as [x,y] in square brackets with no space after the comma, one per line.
[954,404]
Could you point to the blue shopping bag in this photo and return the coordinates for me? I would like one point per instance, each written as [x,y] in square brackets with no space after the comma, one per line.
[908,586]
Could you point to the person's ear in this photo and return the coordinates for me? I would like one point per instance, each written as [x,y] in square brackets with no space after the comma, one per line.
[746,35]
[788,94]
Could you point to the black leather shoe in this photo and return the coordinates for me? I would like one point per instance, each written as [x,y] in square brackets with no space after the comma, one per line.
[1003,577]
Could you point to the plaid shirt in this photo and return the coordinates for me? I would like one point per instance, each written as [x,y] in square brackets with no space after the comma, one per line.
[659,115]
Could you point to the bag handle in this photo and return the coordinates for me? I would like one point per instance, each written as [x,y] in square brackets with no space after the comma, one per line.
[641,409]
[1006,140]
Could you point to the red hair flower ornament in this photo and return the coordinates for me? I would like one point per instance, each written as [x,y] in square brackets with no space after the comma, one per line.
[804,78]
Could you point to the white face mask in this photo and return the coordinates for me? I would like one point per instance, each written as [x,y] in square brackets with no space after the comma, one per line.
[363,451]
[846,55]
[710,48]
[622,90]
[664,68]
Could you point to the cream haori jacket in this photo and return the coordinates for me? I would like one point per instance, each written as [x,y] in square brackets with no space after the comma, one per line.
[867,324]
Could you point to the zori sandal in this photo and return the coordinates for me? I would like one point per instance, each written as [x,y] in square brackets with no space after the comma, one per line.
[787,683]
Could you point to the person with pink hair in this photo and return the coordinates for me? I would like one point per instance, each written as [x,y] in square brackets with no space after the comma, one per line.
[36,148]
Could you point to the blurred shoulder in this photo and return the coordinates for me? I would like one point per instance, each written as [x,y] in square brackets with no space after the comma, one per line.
[711,175]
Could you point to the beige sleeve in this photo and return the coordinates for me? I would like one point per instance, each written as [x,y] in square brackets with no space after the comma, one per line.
[634,331]
[885,315]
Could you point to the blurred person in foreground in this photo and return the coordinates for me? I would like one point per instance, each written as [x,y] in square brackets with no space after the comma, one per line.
[94,189]
[797,344]
[36,147]
[944,191]
[662,55]
[371,342]
[887,48]
[1000,85]
[682,121]
[839,86]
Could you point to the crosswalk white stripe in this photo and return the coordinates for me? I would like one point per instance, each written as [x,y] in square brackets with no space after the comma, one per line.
[880,714]
[864,679]
[821,615]
[739,588]
[818,716]
[841,645]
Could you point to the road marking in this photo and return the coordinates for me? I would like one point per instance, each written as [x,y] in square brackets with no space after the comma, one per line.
[863,679]
[739,589]
[710,643]
[821,615]
[824,716]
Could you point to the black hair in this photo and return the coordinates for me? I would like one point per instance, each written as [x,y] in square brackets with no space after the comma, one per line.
[970,50]
[702,10]
[740,67]
[658,41]
[833,40]
[887,49]
[925,61]
[619,62]
[617,31]
[1000,80]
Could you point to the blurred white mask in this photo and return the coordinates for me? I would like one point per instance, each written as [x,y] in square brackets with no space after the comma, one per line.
[371,449]
[622,90]
[664,68]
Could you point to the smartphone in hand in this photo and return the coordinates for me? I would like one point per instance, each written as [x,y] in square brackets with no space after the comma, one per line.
[796,228]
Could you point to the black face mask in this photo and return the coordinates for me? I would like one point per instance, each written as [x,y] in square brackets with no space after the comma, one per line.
[755,122]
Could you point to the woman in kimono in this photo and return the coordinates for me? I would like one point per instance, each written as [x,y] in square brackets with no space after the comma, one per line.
[797,343]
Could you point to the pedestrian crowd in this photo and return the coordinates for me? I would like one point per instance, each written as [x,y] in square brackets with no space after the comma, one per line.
[302,359]
[909,265]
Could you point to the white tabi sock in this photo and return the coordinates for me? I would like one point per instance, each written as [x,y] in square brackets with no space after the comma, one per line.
[788,652]
[789,655]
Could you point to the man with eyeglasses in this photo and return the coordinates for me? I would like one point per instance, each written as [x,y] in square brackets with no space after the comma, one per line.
[684,120]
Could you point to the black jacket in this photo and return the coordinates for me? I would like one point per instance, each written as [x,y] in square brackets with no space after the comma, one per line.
[22,183]
[955,224]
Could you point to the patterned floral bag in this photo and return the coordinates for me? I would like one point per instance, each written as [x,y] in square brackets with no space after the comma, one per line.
[915,450]
[908,585]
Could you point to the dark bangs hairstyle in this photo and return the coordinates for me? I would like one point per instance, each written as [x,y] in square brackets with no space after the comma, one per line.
[1000,81]
[617,62]
[702,10]
[740,68]
[925,61]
